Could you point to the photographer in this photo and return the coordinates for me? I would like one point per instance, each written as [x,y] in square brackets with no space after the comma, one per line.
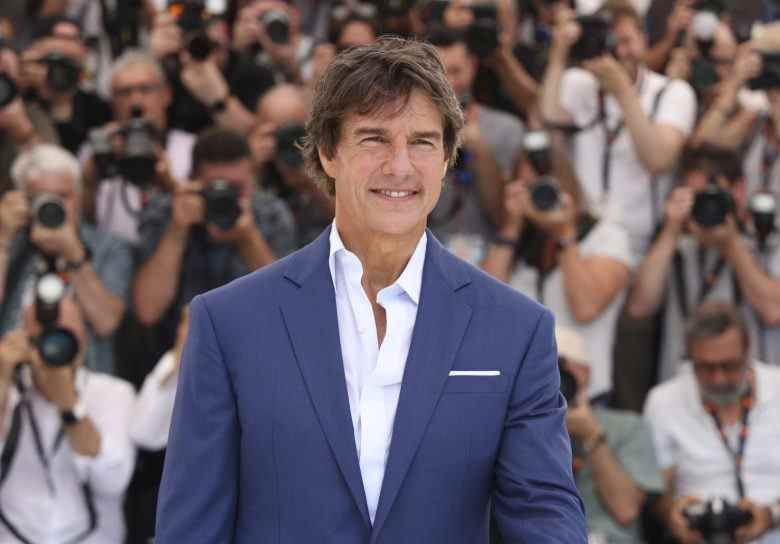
[715,428]
[630,123]
[40,223]
[207,233]
[52,71]
[67,455]
[709,248]
[470,207]
[614,462]
[158,160]
[551,249]
[282,113]
[211,83]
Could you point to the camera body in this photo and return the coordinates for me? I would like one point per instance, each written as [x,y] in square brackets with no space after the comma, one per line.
[49,210]
[57,346]
[137,162]
[222,207]
[277,25]
[716,519]
[595,38]
[192,18]
[568,382]
[769,78]
[711,206]
[62,73]
[482,34]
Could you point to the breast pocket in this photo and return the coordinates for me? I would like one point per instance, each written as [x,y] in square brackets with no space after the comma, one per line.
[475,384]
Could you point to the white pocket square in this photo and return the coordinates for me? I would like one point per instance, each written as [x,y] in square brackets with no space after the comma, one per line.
[475,372]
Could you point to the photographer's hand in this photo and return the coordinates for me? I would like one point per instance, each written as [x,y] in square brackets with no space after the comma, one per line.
[282,54]
[678,210]
[14,214]
[612,77]
[204,80]
[15,350]
[560,222]
[188,208]
[721,237]
[262,142]
[760,524]
[581,422]
[166,36]
[565,33]
[62,242]
[678,524]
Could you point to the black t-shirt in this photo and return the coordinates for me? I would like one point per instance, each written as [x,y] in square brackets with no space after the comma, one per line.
[89,112]
[246,80]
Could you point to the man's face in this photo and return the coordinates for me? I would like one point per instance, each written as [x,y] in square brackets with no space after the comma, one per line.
[239,174]
[60,185]
[389,168]
[139,85]
[460,65]
[630,44]
[720,365]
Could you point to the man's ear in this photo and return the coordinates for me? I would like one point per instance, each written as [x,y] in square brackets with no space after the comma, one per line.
[329,165]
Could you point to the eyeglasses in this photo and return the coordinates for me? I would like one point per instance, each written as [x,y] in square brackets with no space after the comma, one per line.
[727,367]
[143,88]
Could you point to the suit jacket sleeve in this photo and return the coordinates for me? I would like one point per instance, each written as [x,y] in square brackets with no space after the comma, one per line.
[199,489]
[535,498]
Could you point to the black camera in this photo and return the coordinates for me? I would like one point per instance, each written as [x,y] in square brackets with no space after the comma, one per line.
[62,73]
[287,139]
[763,209]
[711,206]
[545,193]
[192,18]
[703,74]
[769,78]
[138,160]
[57,346]
[537,148]
[222,207]
[568,381]
[717,520]
[595,38]
[482,34]
[8,90]
[49,210]
[277,25]
[100,142]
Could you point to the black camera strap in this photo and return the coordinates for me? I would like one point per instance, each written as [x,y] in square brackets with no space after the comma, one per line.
[708,280]
[746,404]
[9,452]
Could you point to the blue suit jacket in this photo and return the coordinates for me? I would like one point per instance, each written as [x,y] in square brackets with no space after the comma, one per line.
[262,448]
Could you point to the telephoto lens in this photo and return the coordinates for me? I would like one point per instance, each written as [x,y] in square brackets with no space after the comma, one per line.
[545,193]
[57,346]
[711,206]
[138,161]
[763,209]
[8,90]
[222,207]
[49,210]
[277,25]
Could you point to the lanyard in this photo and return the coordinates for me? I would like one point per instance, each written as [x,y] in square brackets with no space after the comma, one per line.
[746,403]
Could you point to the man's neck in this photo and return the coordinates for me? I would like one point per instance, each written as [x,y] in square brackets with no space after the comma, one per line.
[730,414]
[383,257]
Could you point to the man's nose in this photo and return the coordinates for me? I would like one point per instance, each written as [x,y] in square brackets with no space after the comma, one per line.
[398,163]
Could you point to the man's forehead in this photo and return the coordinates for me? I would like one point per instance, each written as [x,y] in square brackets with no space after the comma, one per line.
[355,123]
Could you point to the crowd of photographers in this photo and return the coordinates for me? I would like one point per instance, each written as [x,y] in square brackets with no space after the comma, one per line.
[619,164]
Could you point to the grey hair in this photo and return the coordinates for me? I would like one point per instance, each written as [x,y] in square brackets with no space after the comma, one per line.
[713,318]
[45,159]
[134,57]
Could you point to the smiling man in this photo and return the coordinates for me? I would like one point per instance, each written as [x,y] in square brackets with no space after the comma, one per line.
[371,388]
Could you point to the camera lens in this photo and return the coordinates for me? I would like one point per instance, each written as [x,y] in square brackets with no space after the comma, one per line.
[57,346]
[8,90]
[62,75]
[138,161]
[49,211]
[711,206]
[200,46]
[277,26]
[545,193]
[222,208]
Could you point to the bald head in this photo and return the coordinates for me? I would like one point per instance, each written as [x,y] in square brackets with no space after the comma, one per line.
[283,104]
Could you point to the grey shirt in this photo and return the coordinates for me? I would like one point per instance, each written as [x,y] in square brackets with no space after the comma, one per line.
[112,261]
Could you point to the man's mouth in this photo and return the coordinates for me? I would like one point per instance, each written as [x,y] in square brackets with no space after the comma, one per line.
[395,195]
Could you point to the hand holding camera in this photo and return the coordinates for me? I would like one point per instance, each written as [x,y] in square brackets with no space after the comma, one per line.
[216,204]
[15,349]
[717,520]
[14,214]
[566,32]
[612,77]
[277,35]
[678,209]
[204,80]
[559,221]
[513,209]
[166,37]
[54,231]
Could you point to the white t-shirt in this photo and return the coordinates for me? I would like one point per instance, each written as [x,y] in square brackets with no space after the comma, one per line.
[118,203]
[687,438]
[606,239]
[673,340]
[628,199]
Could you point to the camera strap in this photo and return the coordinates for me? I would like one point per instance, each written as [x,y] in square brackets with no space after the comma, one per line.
[746,404]
[708,280]
[9,452]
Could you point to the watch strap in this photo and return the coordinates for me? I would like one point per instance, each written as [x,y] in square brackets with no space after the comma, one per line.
[74,415]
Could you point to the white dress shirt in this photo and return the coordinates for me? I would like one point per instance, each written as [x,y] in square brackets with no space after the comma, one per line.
[52,510]
[153,410]
[373,372]
[687,439]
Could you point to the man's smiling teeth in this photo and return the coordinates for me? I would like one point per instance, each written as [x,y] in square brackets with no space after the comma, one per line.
[396,194]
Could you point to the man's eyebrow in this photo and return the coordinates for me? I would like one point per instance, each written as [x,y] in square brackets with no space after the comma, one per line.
[376,131]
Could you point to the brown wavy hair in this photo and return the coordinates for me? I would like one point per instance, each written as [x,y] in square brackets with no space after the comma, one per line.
[367,79]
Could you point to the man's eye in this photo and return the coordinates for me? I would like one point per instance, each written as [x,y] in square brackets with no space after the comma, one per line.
[372,139]
[427,143]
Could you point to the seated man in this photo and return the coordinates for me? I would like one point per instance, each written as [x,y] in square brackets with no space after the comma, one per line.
[183,250]
[97,265]
[66,452]
[614,463]
[715,430]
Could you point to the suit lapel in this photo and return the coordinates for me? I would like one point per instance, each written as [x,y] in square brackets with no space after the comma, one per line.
[441,322]
[312,323]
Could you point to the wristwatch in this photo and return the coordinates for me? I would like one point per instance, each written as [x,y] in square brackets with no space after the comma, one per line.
[73,416]
[75,265]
